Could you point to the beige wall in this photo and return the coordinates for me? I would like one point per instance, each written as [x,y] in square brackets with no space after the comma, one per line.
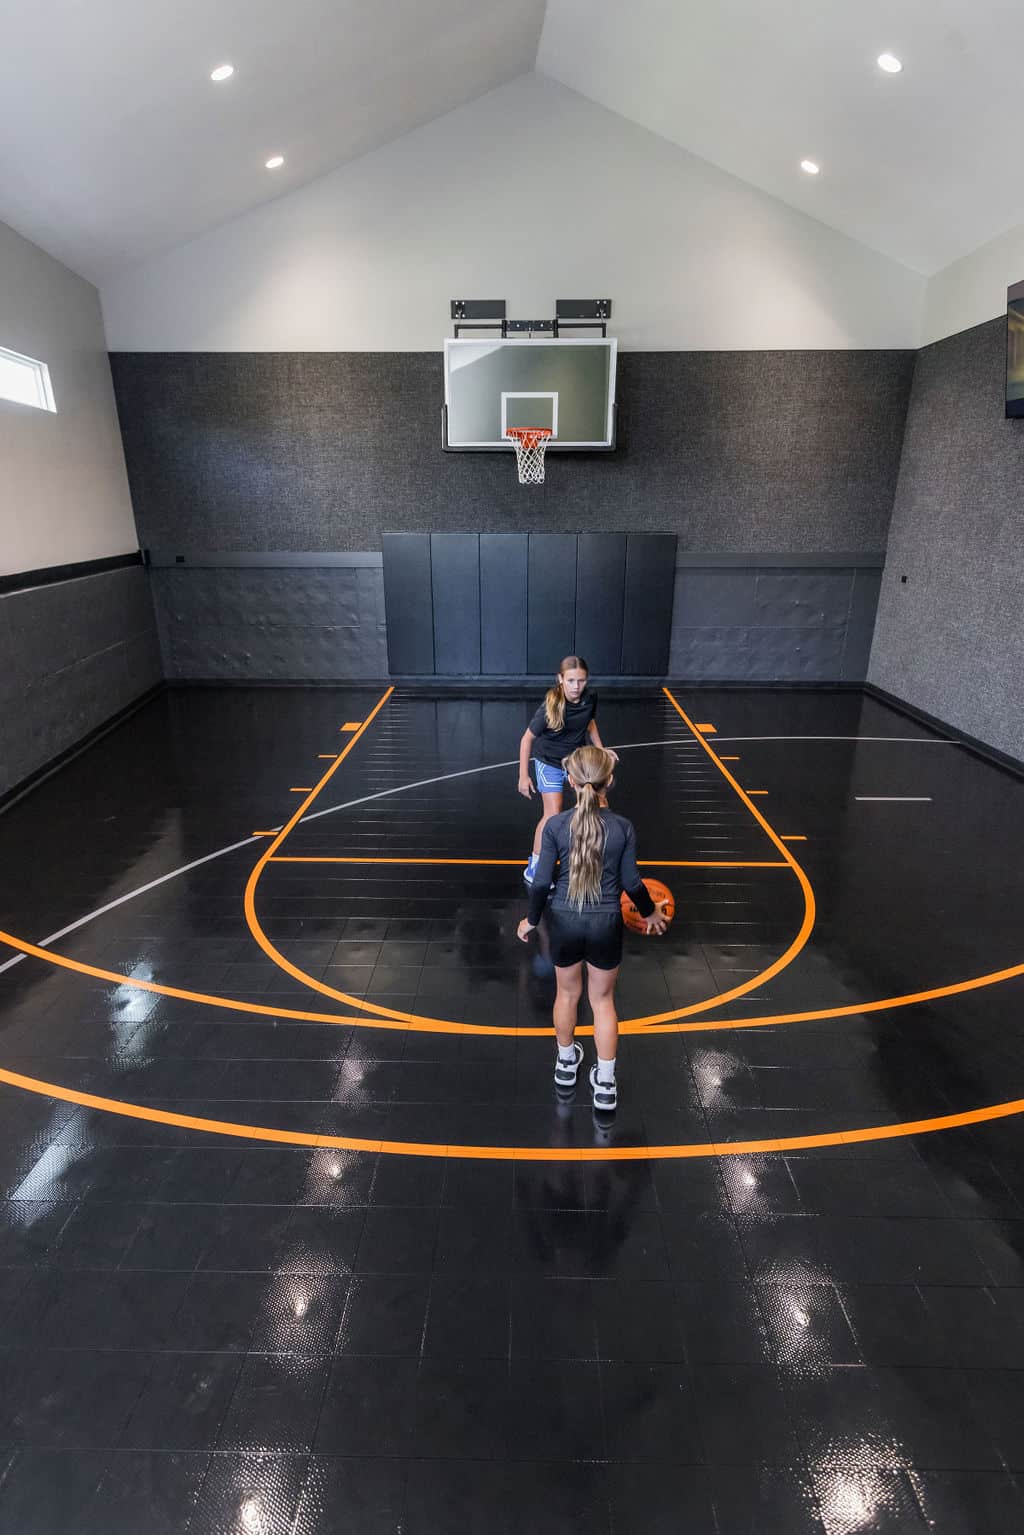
[63,489]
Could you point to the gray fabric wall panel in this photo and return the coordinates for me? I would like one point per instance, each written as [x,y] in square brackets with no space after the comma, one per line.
[551,600]
[455,582]
[647,603]
[503,585]
[600,594]
[951,640]
[408,603]
[72,655]
[751,625]
[747,451]
[271,625]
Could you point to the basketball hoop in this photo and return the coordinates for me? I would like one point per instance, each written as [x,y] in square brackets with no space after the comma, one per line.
[529,443]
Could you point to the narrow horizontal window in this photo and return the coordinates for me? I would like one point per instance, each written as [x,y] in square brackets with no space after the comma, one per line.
[25,381]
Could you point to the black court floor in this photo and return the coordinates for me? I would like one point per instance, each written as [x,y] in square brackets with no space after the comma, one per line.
[295,1236]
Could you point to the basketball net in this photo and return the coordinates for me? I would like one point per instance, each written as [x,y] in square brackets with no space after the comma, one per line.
[529,443]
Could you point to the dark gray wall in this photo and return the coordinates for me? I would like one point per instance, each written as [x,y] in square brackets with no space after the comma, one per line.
[72,655]
[951,639]
[760,454]
[732,451]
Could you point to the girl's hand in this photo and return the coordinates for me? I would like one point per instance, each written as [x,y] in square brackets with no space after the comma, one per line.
[526,787]
[524,930]
[658,923]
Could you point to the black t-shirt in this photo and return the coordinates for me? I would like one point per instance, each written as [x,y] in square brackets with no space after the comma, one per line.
[618,868]
[552,745]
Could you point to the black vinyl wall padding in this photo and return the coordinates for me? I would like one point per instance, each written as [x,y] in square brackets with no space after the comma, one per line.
[407,596]
[600,595]
[503,589]
[455,584]
[49,575]
[649,594]
[551,600]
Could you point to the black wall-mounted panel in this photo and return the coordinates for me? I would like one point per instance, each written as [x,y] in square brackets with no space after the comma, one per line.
[600,590]
[647,611]
[503,577]
[407,601]
[551,602]
[455,581]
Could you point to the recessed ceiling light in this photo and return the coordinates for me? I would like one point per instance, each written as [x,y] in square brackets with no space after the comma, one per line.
[890,63]
[810,167]
[274,162]
[222,72]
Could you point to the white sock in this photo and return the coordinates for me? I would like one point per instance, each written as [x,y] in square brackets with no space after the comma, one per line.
[532,860]
[567,1053]
[606,1070]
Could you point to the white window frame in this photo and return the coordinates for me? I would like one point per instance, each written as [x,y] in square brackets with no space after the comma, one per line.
[41,375]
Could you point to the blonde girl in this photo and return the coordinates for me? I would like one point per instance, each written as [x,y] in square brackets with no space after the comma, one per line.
[565,720]
[590,854]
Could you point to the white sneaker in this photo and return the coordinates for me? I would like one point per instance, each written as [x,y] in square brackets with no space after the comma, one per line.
[603,1095]
[565,1071]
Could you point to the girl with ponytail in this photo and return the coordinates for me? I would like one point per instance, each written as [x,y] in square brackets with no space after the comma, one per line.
[565,720]
[594,853]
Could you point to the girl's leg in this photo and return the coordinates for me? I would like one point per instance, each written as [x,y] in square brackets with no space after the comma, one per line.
[601,991]
[552,806]
[569,981]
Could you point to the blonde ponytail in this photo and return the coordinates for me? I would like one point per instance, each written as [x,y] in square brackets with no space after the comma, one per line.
[554,698]
[591,768]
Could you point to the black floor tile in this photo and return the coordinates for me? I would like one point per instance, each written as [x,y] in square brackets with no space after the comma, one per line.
[468,1317]
[659,1500]
[462,1409]
[554,1411]
[276,1404]
[361,1497]
[368,1407]
[183,1402]
[258,1491]
[766,1500]
[386,1314]
[47,1490]
[967,1502]
[744,1415]
[650,1414]
[144,1490]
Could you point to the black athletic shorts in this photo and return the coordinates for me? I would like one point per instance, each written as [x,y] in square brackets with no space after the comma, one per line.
[595,936]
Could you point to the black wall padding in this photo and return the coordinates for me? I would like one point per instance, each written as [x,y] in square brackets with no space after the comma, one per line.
[551,602]
[455,579]
[408,600]
[503,568]
[600,588]
[647,613]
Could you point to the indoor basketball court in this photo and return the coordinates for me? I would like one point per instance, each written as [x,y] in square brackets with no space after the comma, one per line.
[313,576]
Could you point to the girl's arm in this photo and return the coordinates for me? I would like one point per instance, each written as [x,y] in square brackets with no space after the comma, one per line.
[595,736]
[526,787]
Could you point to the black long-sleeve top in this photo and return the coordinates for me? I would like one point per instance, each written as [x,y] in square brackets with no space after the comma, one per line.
[618,870]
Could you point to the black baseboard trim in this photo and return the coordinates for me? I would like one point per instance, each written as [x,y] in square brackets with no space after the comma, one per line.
[26,785]
[49,575]
[991,754]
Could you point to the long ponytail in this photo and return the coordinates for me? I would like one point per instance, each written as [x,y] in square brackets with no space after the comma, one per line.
[590,767]
[554,698]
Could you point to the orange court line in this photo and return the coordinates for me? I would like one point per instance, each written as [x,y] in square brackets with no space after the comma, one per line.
[327,756]
[729,759]
[794,839]
[704,730]
[513,1153]
[264,834]
[420,1019]
[757,791]
[637,1026]
[302,789]
[516,863]
[356,724]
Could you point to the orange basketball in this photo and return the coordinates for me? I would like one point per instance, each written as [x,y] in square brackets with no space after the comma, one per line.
[658,893]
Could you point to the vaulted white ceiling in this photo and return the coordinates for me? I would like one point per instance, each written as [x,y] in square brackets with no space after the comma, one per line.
[114,143]
[923,166]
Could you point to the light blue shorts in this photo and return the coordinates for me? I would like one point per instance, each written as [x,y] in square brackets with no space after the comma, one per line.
[550,779]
